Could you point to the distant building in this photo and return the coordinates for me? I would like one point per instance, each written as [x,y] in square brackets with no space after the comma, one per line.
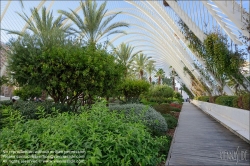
[5,90]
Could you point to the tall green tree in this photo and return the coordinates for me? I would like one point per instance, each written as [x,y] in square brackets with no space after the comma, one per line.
[140,64]
[150,68]
[64,70]
[124,55]
[160,74]
[93,26]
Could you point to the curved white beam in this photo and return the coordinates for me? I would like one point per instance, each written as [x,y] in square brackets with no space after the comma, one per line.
[191,25]
[235,13]
[5,9]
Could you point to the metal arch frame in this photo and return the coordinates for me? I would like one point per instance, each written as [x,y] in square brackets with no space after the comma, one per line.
[164,39]
[226,89]
[234,15]
[159,43]
[182,53]
[167,59]
[5,10]
[185,18]
[163,53]
[171,46]
[222,24]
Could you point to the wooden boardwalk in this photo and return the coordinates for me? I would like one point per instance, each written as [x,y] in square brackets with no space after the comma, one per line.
[201,140]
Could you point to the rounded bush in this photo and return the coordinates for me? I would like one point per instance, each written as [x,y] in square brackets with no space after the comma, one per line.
[104,137]
[226,100]
[203,98]
[246,101]
[149,116]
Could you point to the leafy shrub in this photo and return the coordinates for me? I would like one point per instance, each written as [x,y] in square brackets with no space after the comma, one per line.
[132,89]
[226,100]
[175,109]
[107,138]
[171,120]
[212,99]
[162,108]
[27,92]
[176,105]
[246,101]
[9,117]
[5,103]
[145,102]
[34,110]
[151,118]
[236,102]
[160,94]
[203,98]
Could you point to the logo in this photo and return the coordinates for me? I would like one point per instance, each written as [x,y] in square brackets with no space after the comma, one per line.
[237,155]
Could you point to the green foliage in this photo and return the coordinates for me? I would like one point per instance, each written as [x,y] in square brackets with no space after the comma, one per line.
[189,93]
[171,120]
[66,69]
[175,109]
[3,80]
[151,118]
[235,102]
[226,100]
[132,89]
[93,24]
[160,74]
[160,94]
[5,103]
[105,137]
[203,98]
[163,108]
[27,92]
[9,117]
[246,101]
[34,110]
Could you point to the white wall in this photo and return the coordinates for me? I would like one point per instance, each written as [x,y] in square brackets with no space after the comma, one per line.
[236,120]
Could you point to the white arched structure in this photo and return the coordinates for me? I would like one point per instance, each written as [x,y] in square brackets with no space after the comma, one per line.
[155,30]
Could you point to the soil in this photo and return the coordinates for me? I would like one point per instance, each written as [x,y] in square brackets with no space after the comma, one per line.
[175,114]
[170,132]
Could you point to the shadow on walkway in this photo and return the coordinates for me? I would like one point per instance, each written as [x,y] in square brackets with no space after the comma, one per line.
[201,140]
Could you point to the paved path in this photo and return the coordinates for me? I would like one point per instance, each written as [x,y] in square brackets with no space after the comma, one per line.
[201,140]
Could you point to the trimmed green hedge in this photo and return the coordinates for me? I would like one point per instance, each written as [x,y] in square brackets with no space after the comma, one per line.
[203,98]
[226,100]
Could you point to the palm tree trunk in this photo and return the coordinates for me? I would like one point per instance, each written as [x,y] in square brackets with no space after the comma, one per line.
[159,80]
[141,74]
[150,79]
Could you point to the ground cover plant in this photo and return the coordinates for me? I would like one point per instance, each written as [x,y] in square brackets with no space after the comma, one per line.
[107,138]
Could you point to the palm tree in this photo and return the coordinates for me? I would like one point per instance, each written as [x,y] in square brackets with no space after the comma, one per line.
[93,26]
[140,63]
[125,54]
[47,30]
[150,68]
[160,74]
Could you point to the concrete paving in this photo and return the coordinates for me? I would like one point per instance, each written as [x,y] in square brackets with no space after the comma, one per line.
[201,140]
